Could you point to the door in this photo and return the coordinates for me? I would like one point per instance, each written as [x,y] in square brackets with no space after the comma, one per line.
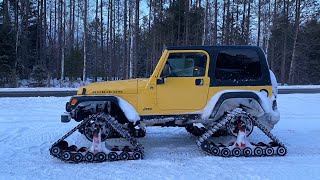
[185,81]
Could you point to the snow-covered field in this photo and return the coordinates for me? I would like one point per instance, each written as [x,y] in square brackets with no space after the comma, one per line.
[37,89]
[28,126]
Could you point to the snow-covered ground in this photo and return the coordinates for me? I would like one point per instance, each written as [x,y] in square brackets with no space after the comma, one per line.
[299,87]
[36,89]
[28,126]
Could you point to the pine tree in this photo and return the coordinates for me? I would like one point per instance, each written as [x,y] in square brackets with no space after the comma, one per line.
[38,76]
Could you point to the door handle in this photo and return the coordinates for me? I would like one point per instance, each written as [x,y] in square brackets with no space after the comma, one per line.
[199,82]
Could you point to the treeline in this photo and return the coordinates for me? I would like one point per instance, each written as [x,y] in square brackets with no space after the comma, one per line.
[121,39]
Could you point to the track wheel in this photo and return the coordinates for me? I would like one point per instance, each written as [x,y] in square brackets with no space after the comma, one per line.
[214,150]
[269,151]
[258,151]
[194,130]
[124,155]
[115,148]
[126,148]
[225,152]
[55,150]
[66,155]
[113,156]
[205,146]
[247,151]
[236,152]
[78,157]
[281,151]
[137,155]
[63,145]
[101,157]
[72,148]
[82,149]
[89,157]
[261,144]
[273,144]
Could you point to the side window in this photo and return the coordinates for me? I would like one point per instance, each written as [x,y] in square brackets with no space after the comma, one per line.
[187,64]
[238,65]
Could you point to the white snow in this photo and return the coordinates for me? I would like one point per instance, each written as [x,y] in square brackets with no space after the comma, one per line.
[28,126]
[131,114]
[37,89]
[265,102]
[274,84]
[299,87]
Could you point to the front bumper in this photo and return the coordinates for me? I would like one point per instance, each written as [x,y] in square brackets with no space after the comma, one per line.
[65,118]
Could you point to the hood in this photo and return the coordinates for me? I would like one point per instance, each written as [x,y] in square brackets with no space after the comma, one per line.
[114,87]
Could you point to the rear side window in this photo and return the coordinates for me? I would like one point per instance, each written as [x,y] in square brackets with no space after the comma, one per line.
[238,65]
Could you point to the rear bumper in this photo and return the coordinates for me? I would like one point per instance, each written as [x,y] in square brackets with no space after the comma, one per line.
[269,120]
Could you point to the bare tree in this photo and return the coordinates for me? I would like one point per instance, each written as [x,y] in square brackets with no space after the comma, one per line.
[259,19]
[285,31]
[131,26]
[231,39]
[243,20]
[136,36]
[248,23]
[55,33]
[125,29]
[296,26]
[44,34]
[17,31]
[110,38]
[63,46]
[227,26]
[187,22]
[223,23]
[101,36]
[60,35]
[205,22]
[215,27]
[96,42]
[71,20]
[272,45]
[85,40]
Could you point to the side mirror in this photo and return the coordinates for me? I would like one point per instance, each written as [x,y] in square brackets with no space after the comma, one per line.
[160,81]
[165,71]
[164,74]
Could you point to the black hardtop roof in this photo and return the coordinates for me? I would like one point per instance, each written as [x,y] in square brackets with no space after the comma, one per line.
[198,47]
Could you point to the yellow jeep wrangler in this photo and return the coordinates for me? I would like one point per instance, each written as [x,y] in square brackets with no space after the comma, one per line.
[209,90]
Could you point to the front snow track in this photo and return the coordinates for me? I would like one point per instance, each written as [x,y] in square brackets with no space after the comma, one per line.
[242,147]
[73,154]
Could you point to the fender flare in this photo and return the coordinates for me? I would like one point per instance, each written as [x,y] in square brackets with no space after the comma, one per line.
[217,100]
[128,110]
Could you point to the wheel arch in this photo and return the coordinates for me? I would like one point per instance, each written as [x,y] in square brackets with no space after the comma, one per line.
[217,102]
[120,106]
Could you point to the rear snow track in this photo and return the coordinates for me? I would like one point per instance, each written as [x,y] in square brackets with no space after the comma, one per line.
[28,126]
